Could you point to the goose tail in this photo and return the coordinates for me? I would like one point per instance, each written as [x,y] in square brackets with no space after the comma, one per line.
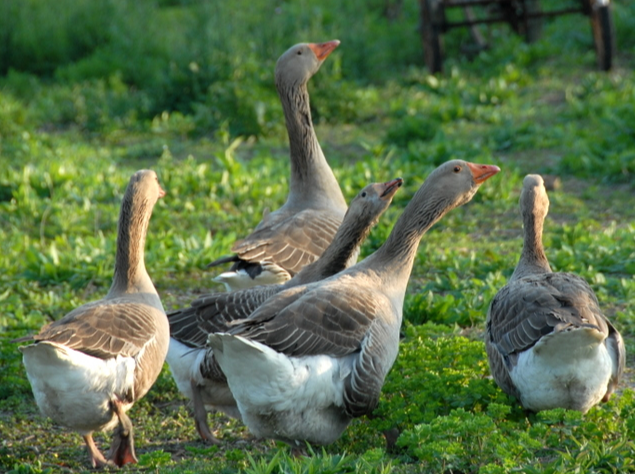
[254,371]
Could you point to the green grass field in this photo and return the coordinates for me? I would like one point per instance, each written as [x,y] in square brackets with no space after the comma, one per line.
[191,96]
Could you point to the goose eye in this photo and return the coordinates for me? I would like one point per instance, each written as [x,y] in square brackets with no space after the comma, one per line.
[299,52]
[363,194]
[457,169]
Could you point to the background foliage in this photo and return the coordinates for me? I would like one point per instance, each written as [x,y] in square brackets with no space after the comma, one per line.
[91,91]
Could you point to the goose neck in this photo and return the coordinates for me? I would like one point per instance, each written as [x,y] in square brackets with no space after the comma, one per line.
[344,247]
[533,258]
[311,180]
[396,256]
[130,274]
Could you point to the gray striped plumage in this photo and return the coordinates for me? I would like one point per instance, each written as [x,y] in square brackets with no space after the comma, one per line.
[297,233]
[537,304]
[212,313]
[352,319]
[216,312]
[126,330]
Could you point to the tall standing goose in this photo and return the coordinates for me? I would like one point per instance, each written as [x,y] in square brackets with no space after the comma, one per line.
[296,234]
[547,341]
[314,356]
[193,369]
[88,368]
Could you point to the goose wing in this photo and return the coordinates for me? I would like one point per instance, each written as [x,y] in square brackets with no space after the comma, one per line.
[105,329]
[291,243]
[212,313]
[533,306]
[336,319]
[313,319]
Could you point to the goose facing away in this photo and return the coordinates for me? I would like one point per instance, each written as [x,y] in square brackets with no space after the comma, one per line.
[192,365]
[296,234]
[88,368]
[548,342]
[315,356]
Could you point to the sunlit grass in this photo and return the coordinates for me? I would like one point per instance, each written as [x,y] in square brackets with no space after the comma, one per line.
[69,145]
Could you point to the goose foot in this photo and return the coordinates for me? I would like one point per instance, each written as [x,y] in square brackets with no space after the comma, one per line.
[97,460]
[391,436]
[609,391]
[297,451]
[200,416]
[122,447]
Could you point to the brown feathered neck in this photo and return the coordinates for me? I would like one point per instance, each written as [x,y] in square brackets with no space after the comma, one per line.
[533,259]
[344,247]
[395,258]
[312,183]
[130,271]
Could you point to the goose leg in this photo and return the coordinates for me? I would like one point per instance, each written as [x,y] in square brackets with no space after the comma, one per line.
[122,448]
[391,434]
[97,459]
[200,416]
[298,450]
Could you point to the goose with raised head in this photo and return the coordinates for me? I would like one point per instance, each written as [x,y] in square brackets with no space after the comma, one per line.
[315,356]
[296,234]
[192,365]
[87,369]
[547,340]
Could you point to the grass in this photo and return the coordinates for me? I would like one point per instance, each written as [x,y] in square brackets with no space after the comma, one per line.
[71,135]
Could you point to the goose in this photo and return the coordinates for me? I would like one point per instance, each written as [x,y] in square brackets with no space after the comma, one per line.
[547,341]
[192,365]
[87,369]
[296,234]
[315,356]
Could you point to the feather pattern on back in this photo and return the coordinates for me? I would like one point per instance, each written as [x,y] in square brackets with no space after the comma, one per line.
[314,356]
[547,340]
[105,329]
[297,233]
[88,368]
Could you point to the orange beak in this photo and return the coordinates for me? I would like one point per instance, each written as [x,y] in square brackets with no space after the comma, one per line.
[322,50]
[391,187]
[482,172]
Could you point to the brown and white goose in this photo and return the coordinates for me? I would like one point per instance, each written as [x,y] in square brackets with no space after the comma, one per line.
[88,368]
[296,234]
[314,356]
[192,366]
[548,343]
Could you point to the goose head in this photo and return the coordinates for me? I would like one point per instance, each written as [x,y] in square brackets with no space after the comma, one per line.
[373,200]
[301,61]
[144,186]
[455,182]
[141,195]
[534,202]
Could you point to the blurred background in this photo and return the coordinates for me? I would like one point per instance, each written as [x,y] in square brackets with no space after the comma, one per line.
[93,90]
[213,61]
